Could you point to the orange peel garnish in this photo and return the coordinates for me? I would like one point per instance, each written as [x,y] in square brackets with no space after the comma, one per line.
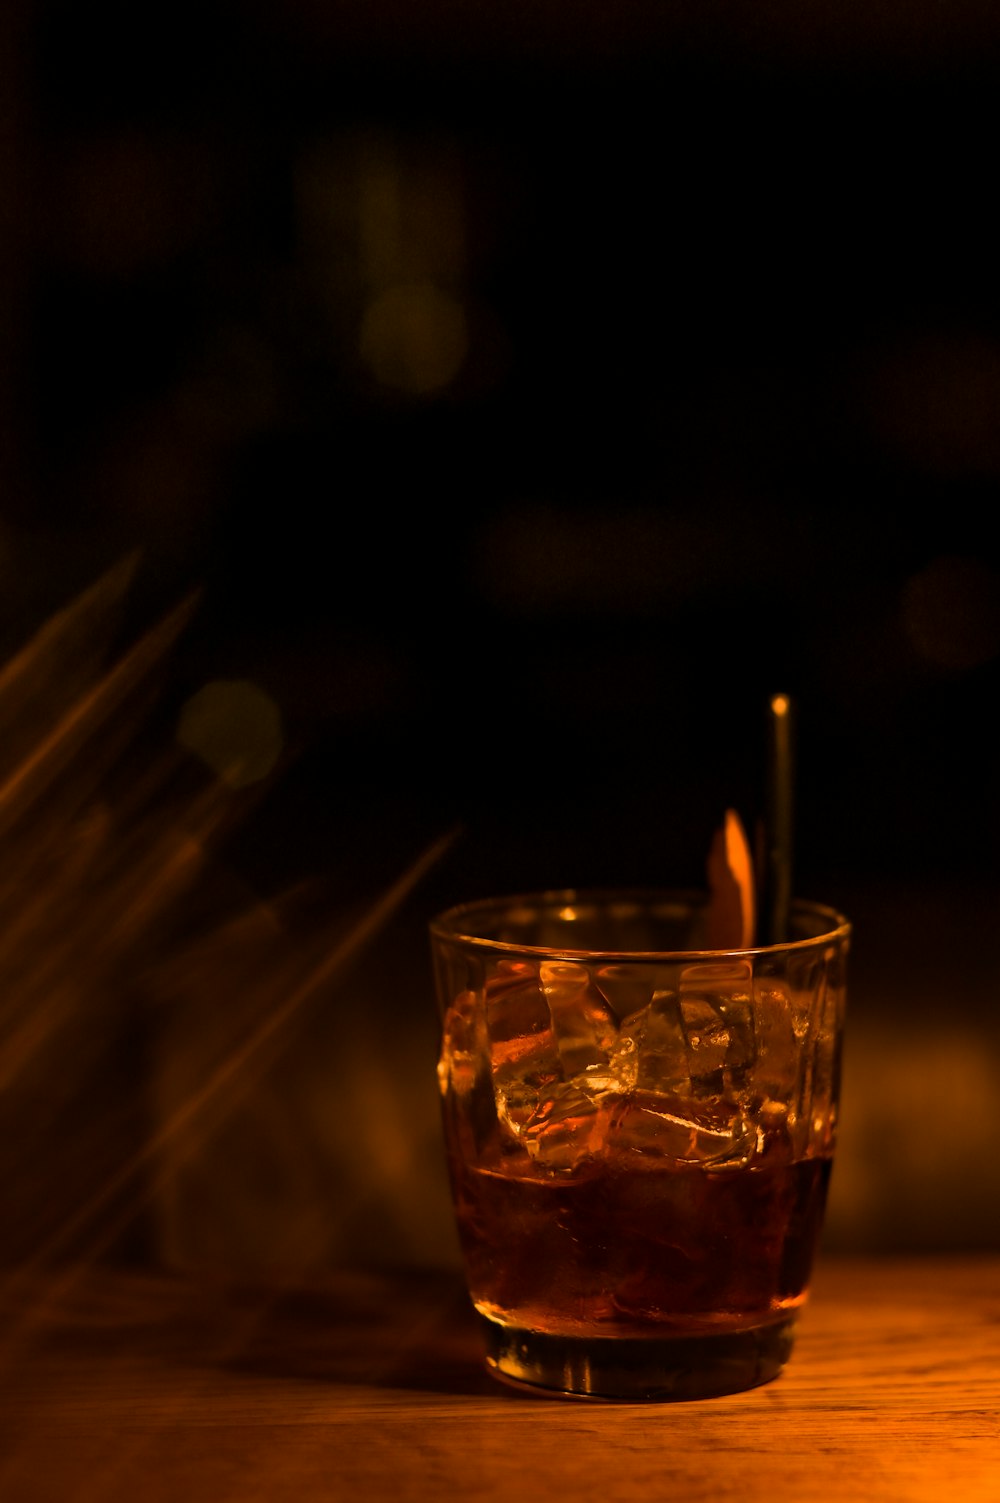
[732,916]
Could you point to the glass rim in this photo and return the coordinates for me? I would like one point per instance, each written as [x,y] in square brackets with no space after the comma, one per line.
[447,926]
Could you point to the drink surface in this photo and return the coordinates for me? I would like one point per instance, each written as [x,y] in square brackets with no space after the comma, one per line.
[640,1150]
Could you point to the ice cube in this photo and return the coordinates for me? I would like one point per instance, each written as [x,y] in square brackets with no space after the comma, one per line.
[798,1060]
[523,1053]
[464,1048]
[778,1051]
[711,1132]
[716,1007]
[821,1109]
[651,1051]
[517,1015]
[584,1025]
[627,988]
[567,1128]
[623,1062]
[781,1136]
[549,1028]
[707,1042]
[463,1072]
[524,1080]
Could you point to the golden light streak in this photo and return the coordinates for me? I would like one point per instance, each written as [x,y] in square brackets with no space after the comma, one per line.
[65,851]
[100,848]
[34,775]
[225,1086]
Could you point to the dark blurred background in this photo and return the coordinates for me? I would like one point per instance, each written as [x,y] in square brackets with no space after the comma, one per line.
[512,398]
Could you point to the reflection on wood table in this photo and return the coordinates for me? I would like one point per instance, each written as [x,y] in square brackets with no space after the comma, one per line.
[120,1385]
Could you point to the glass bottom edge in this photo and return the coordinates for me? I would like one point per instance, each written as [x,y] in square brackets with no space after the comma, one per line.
[671,1369]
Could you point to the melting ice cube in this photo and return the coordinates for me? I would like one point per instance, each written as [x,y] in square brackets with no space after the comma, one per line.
[651,1051]
[716,1005]
[463,1044]
[627,988]
[568,1127]
[714,1133]
[517,1016]
[779,1053]
[522,1051]
[549,1029]
[585,1028]
[522,1082]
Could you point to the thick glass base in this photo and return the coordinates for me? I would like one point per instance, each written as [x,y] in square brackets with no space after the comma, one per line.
[635,1369]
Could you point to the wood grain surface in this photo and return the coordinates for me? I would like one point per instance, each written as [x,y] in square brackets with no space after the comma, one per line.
[118,1386]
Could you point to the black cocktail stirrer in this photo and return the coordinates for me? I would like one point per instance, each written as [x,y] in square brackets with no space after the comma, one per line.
[777,843]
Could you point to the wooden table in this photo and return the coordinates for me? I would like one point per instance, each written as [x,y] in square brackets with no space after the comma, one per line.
[140,1387]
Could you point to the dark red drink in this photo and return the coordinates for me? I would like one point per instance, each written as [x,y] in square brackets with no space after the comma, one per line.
[626,1249]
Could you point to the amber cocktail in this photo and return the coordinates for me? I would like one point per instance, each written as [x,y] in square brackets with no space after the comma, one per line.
[640,1131]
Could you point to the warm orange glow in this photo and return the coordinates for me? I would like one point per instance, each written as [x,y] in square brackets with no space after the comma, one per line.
[741,866]
[732,917]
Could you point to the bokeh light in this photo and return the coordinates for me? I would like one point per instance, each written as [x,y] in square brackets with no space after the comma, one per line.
[235,728]
[951,612]
[414,338]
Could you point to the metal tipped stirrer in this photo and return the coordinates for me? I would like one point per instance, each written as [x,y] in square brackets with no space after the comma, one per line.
[778,833]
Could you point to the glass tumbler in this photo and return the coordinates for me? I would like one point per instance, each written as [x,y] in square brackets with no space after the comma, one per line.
[639,1132]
